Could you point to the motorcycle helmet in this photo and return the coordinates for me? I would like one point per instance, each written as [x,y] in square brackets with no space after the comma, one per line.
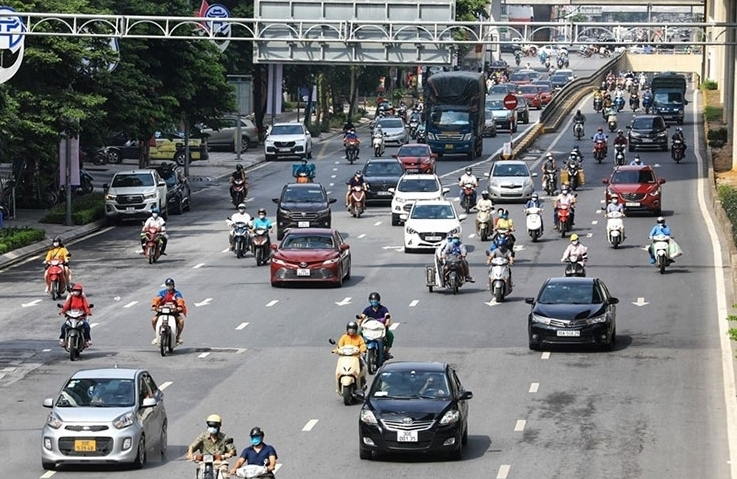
[256,432]
[213,420]
[564,191]
[351,328]
[661,220]
[600,130]
[637,159]
[534,196]
[620,132]
[169,283]
[304,160]
[485,194]
[358,173]
[614,201]
[262,211]
[242,206]
[505,215]
[469,170]
[77,287]
[375,296]
[56,242]
[238,167]
[154,212]
[549,156]
[574,238]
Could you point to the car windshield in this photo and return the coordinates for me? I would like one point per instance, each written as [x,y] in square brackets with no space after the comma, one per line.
[383,169]
[123,180]
[519,77]
[499,89]
[298,241]
[413,151]
[559,79]
[433,212]
[667,97]
[449,117]
[391,123]
[633,176]
[287,130]
[543,88]
[648,124]
[568,293]
[106,392]
[418,185]
[303,195]
[410,384]
[495,105]
[501,170]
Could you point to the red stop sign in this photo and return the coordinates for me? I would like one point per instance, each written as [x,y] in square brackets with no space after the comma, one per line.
[510,102]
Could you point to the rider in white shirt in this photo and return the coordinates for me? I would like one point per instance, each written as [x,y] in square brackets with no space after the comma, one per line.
[468,178]
[564,198]
[240,217]
[155,221]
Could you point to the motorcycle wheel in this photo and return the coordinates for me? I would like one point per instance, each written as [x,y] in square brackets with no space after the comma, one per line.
[534,235]
[377,152]
[661,264]
[615,242]
[372,361]
[151,255]
[347,393]
[484,235]
[359,211]
[599,157]
[453,282]
[55,290]
[563,230]
[259,256]
[498,295]
[239,198]
[73,350]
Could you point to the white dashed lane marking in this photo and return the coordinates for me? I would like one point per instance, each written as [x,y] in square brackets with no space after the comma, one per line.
[393,326]
[132,303]
[203,355]
[241,326]
[362,235]
[272,303]
[520,425]
[589,235]
[503,471]
[198,266]
[377,223]
[595,222]
[545,355]
[414,303]
[92,325]
[534,387]
[47,474]
[310,424]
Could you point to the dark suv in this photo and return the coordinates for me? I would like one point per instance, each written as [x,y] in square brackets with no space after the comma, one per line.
[648,131]
[178,192]
[302,205]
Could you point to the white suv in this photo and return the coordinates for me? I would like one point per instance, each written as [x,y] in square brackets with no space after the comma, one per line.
[133,194]
[428,224]
[288,139]
[412,187]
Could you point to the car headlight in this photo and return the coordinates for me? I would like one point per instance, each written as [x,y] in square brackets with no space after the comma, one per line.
[150,196]
[494,184]
[110,197]
[367,417]
[400,200]
[331,261]
[410,231]
[661,135]
[655,193]
[123,421]
[456,230]
[466,137]
[536,318]
[431,136]
[53,421]
[278,261]
[596,319]
[426,161]
[450,417]
[634,134]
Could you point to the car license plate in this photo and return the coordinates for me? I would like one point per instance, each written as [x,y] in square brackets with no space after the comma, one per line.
[130,209]
[433,238]
[632,203]
[573,334]
[286,150]
[647,140]
[413,170]
[448,146]
[85,445]
[303,272]
[384,193]
[303,224]
[406,436]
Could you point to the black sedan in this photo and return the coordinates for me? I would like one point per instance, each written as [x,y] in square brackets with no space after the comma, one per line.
[382,174]
[178,192]
[573,310]
[414,407]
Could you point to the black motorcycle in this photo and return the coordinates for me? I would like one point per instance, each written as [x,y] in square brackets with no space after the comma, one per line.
[453,277]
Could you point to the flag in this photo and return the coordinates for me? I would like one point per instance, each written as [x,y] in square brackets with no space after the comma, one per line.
[203,10]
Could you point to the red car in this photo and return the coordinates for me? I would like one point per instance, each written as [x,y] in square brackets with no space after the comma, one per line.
[636,187]
[416,158]
[546,92]
[532,95]
[311,255]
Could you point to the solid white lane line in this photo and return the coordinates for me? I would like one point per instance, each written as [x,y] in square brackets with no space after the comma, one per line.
[393,326]
[534,387]
[377,223]
[310,424]
[165,385]
[203,355]
[130,304]
[520,426]
[241,326]
[503,471]
[272,303]
[362,235]
[92,325]
[414,303]
[198,266]
[545,355]
[47,474]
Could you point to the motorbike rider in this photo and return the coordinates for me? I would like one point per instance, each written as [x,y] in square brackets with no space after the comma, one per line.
[660,228]
[564,198]
[169,295]
[634,98]
[579,118]
[213,442]
[376,310]
[258,454]
[239,217]
[614,206]
[620,139]
[549,167]
[535,202]
[501,250]
[238,175]
[57,251]
[77,300]
[678,135]
[305,168]
[468,178]
[575,248]
[262,222]
[356,180]
[351,135]
[600,136]
[456,248]
[377,133]
[484,205]
[155,221]
[636,161]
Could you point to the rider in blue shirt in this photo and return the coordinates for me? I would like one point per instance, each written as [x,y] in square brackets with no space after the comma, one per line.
[257,454]
[262,222]
[376,310]
[660,228]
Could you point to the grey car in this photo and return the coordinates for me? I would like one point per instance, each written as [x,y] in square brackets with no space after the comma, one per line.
[105,416]
[394,130]
[226,136]
[510,181]
[523,110]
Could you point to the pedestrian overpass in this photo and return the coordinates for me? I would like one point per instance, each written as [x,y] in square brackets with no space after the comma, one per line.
[663,62]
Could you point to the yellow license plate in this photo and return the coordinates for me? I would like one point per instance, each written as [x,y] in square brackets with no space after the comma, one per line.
[448,146]
[85,445]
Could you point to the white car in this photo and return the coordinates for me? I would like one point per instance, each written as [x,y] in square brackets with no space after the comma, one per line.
[288,139]
[510,181]
[413,187]
[428,224]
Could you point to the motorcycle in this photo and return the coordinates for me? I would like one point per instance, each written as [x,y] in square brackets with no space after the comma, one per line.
[357,201]
[661,250]
[74,341]
[240,239]
[611,121]
[550,182]
[578,130]
[647,103]
[378,143]
[414,122]
[166,327]
[575,266]
[453,278]
[374,332]
[350,375]
[351,149]
[85,185]
[634,103]
[57,278]
[677,151]
[573,169]
[499,283]
[240,191]
[619,103]
[619,155]
[483,222]
[600,150]
[468,199]
[211,465]
[260,246]
[421,134]
[534,223]
[517,59]
[564,220]
[598,104]
[152,244]
[615,228]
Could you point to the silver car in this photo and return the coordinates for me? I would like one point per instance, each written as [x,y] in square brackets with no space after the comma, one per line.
[394,130]
[226,137]
[105,416]
[510,181]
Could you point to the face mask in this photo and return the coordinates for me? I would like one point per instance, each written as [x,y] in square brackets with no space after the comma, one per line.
[255,441]
[374,303]
[262,216]
[213,430]
[76,293]
[55,244]
[154,215]
[574,243]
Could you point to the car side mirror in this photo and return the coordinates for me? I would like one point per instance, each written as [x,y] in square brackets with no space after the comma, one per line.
[106,185]
[534,175]
[48,402]
[332,200]
[629,127]
[613,301]
[462,217]
[605,181]
[345,247]
[275,200]
[394,155]
[161,183]
[272,246]
[530,300]
[148,402]
[446,191]
[486,175]
[661,180]
[465,396]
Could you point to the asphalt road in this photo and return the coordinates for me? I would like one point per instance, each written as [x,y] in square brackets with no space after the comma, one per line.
[654,407]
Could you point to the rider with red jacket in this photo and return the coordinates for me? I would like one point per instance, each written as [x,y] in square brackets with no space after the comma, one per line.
[76,300]
[169,295]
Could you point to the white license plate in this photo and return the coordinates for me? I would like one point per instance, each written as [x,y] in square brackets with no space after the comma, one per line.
[303,272]
[130,209]
[572,334]
[632,203]
[406,436]
[413,170]
[384,193]
[433,238]
[647,140]
[303,224]
[286,150]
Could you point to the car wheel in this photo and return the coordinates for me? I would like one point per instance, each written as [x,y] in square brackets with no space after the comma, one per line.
[164,440]
[50,466]
[179,158]
[457,453]
[270,157]
[115,157]
[348,273]
[140,459]
[514,128]
[534,346]
[395,219]
[493,135]
[464,439]
[609,345]
[364,454]
[245,143]
[189,202]
[180,204]
[279,234]
[165,212]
